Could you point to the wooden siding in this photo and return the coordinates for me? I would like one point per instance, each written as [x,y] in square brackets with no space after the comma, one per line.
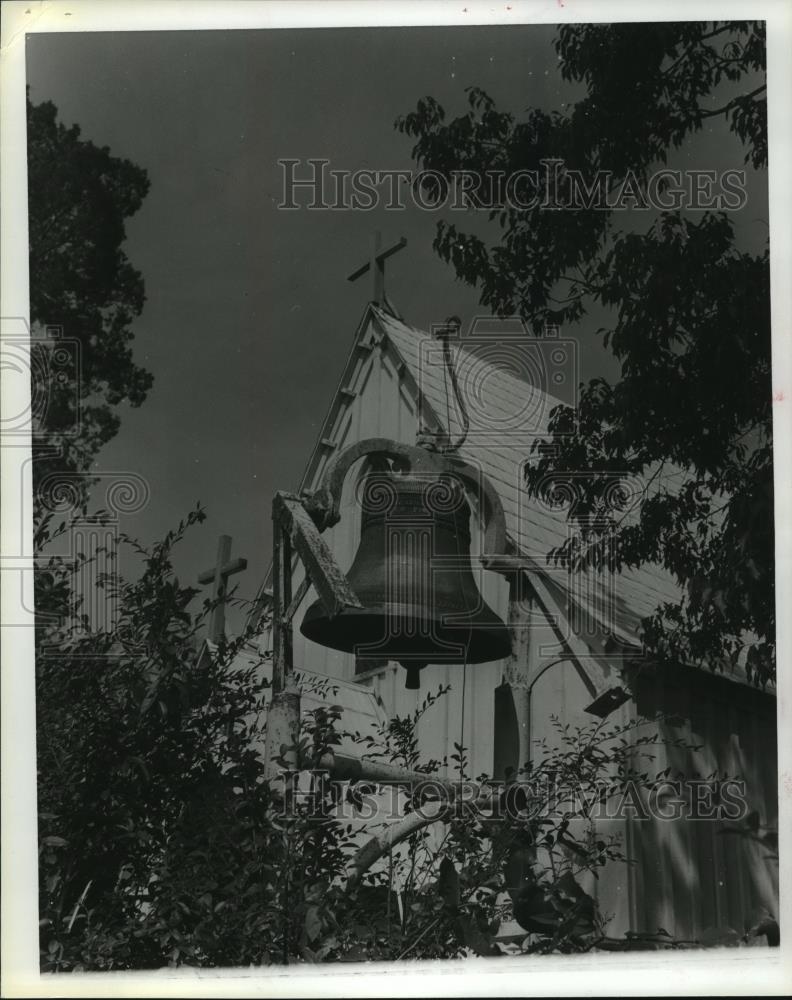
[689,877]
[694,875]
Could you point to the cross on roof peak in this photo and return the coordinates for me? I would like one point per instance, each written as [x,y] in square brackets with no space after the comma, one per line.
[376,264]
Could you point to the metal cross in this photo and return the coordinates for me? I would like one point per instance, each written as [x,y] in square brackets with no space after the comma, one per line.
[376,264]
[224,567]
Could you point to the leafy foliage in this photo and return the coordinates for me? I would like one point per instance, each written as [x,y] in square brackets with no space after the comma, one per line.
[689,317]
[162,842]
[144,748]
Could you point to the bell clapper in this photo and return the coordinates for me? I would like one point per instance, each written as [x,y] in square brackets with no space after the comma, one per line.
[413,680]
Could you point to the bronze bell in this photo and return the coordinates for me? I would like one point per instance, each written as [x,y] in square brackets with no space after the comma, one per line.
[412,574]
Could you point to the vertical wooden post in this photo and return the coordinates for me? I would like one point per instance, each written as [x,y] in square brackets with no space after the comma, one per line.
[512,724]
[285,599]
[283,714]
[277,609]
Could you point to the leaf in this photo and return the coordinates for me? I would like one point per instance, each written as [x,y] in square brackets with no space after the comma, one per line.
[448,883]
[534,910]
[475,938]
[518,870]
[313,923]
[53,841]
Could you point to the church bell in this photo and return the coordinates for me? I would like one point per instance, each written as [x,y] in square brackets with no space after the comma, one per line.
[413,576]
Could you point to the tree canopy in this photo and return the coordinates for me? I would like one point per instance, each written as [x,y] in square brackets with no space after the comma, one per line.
[81,281]
[688,316]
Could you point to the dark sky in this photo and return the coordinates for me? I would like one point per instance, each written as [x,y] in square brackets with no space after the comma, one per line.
[249,316]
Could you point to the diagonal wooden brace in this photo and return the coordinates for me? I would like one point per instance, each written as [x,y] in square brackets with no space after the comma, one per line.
[331,584]
[294,529]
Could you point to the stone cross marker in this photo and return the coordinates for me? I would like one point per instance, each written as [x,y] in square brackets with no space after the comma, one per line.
[224,567]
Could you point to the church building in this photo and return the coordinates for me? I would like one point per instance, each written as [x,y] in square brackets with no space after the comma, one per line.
[576,653]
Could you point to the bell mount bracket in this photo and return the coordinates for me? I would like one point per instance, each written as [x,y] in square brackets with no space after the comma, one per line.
[324,504]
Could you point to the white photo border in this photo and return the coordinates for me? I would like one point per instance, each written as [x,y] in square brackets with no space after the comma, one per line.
[713,972]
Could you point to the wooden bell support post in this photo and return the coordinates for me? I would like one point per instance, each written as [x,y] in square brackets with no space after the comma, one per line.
[293,530]
[529,605]
[512,719]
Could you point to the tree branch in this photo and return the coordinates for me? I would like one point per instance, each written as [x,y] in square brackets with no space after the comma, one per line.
[733,103]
